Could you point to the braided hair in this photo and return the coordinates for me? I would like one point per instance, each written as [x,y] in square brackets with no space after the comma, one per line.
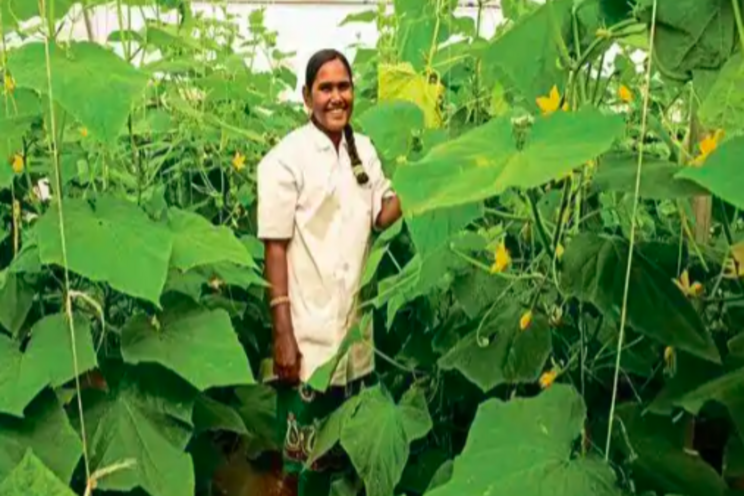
[318,60]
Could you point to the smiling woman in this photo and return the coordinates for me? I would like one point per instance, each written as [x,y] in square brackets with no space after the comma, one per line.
[321,191]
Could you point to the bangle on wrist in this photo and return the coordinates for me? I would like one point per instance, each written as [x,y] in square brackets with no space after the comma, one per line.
[279,300]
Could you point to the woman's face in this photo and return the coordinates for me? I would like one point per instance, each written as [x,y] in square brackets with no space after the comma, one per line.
[331,97]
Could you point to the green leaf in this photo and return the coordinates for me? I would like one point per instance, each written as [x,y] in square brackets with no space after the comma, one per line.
[330,432]
[256,405]
[16,298]
[721,172]
[477,290]
[532,440]
[617,173]
[89,81]
[109,241]
[145,419]
[45,430]
[435,228]
[211,415]
[199,345]
[390,126]
[691,34]
[401,82]
[21,377]
[502,352]
[51,348]
[594,271]
[379,455]
[723,107]
[415,411]
[197,242]
[366,16]
[32,478]
[486,161]
[733,462]
[531,76]
[15,12]
[656,447]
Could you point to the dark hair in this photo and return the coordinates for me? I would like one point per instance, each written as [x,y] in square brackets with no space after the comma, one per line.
[318,60]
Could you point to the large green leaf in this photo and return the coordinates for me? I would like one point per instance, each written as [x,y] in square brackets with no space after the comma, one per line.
[380,454]
[145,419]
[486,161]
[51,348]
[502,352]
[415,413]
[14,12]
[16,298]
[110,240]
[655,445]
[721,173]
[32,478]
[617,173]
[435,228]
[691,34]
[21,377]
[88,81]
[723,107]
[525,446]
[594,271]
[211,415]
[531,76]
[390,126]
[47,431]
[197,242]
[198,344]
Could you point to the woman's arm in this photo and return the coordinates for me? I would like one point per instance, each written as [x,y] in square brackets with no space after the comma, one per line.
[287,355]
[389,214]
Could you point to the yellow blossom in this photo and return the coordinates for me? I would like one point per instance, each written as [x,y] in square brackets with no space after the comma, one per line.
[625,94]
[548,378]
[238,161]
[502,259]
[708,146]
[215,283]
[9,84]
[734,266]
[552,102]
[691,290]
[559,250]
[18,163]
[84,132]
[526,320]
[668,354]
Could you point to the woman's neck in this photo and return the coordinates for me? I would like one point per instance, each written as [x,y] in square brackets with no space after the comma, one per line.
[335,137]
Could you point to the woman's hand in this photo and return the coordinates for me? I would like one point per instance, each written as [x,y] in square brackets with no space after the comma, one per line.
[287,357]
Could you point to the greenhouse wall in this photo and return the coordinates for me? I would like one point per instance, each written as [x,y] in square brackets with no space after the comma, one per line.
[302,27]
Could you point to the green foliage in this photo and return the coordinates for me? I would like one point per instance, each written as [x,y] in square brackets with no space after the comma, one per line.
[31,477]
[533,440]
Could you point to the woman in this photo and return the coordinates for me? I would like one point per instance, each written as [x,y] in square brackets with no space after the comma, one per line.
[321,192]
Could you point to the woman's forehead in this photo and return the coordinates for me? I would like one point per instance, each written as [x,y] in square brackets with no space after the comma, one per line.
[332,71]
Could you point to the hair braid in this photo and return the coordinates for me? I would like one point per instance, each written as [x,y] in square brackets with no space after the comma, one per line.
[356,162]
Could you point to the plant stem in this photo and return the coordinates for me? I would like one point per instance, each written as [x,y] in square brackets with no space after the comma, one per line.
[631,247]
[539,223]
[739,23]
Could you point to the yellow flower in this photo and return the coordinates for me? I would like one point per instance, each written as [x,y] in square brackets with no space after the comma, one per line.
[84,132]
[668,354]
[552,102]
[708,146]
[734,266]
[9,84]
[625,94]
[502,259]
[548,378]
[238,161]
[18,163]
[691,290]
[559,250]
[526,320]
